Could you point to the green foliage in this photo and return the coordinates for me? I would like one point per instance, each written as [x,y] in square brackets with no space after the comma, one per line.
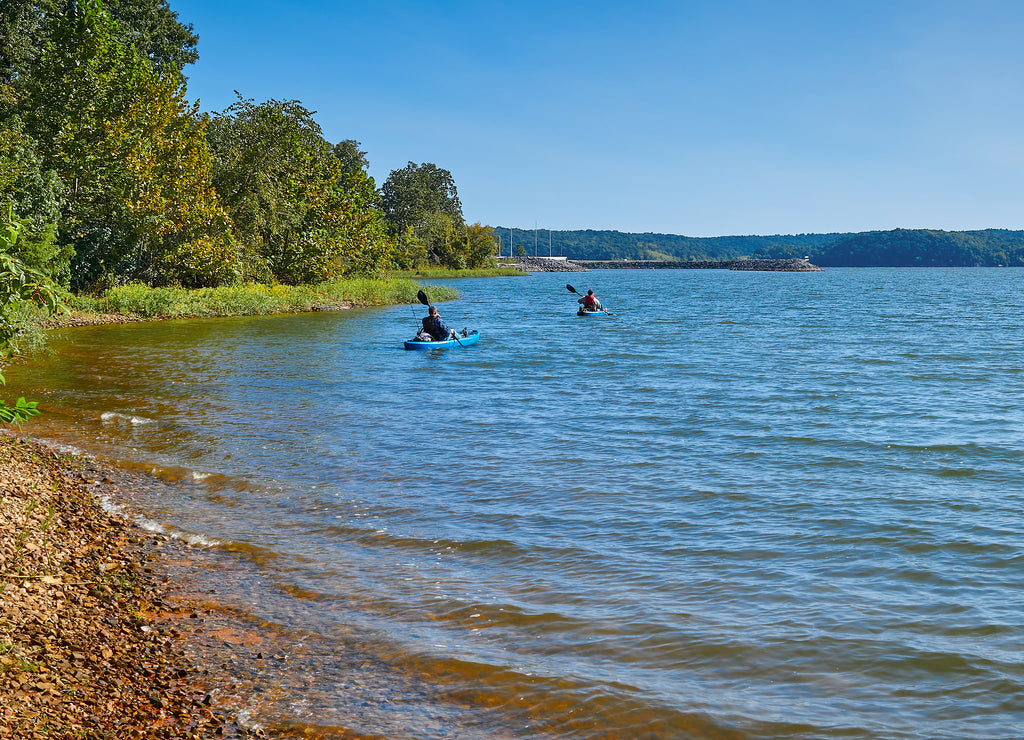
[410,195]
[21,411]
[26,26]
[441,236]
[299,214]
[352,159]
[154,29]
[19,286]
[410,251]
[481,247]
[421,202]
[35,193]
[896,248]
[926,248]
[132,155]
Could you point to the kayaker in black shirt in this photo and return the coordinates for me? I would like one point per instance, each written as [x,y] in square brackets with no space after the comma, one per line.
[435,327]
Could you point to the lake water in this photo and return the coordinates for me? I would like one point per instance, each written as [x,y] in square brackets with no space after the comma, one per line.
[745,505]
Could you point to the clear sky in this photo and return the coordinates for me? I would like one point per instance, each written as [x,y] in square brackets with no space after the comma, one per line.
[695,117]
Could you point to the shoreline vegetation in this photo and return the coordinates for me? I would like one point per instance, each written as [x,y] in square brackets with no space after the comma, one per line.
[136,302]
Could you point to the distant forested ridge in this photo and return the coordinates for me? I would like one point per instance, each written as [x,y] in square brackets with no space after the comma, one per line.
[613,245]
[896,248]
[926,248]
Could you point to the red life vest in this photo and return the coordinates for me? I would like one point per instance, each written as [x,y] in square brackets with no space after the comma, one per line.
[590,303]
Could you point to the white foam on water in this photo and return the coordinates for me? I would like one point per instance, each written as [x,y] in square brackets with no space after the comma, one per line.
[244,719]
[188,537]
[109,505]
[131,419]
[62,447]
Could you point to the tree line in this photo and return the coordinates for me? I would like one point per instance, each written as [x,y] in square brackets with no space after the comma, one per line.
[892,248]
[113,176]
[590,244]
[926,248]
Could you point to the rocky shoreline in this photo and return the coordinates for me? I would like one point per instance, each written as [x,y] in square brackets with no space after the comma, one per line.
[90,640]
[540,264]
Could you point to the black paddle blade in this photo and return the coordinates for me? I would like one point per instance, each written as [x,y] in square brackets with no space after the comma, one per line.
[423,298]
[571,289]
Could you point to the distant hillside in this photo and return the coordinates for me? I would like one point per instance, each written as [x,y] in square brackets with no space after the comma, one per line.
[897,248]
[926,248]
[613,245]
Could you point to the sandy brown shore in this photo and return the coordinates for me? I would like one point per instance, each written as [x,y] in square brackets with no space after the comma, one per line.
[90,645]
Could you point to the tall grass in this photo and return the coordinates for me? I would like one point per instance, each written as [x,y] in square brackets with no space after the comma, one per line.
[254,298]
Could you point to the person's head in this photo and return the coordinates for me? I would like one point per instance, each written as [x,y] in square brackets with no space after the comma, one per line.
[433,311]
[590,292]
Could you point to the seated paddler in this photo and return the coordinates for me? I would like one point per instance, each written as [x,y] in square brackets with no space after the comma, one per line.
[435,326]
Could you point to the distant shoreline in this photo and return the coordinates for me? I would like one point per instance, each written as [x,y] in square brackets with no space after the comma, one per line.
[548,264]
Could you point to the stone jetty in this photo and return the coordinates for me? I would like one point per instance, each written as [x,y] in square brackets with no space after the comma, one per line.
[551,264]
[543,264]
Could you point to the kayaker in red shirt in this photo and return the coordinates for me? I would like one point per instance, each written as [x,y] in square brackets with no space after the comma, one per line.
[590,302]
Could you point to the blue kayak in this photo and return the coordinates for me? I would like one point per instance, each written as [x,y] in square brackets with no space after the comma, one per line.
[581,312]
[463,341]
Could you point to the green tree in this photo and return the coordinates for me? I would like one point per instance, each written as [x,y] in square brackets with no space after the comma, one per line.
[132,155]
[410,251]
[443,239]
[26,26]
[154,29]
[29,189]
[368,247]
[353,160]
[299,216]
[481,246]
[424,199]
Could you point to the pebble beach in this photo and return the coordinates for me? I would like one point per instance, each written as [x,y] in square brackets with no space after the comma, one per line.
[90,640]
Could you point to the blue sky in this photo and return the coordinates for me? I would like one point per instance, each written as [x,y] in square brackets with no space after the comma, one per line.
[702,118]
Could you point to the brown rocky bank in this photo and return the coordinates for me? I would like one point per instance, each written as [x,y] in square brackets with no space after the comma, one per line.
[89,646]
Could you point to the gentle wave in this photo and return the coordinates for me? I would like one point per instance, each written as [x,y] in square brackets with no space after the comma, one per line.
[119,417]
[746,506]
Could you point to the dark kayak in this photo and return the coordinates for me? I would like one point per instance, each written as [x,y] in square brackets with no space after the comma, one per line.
[463,341]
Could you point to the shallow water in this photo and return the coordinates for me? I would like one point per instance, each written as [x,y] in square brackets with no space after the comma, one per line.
[745,505]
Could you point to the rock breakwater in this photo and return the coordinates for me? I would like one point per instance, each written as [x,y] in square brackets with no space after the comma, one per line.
[541,264]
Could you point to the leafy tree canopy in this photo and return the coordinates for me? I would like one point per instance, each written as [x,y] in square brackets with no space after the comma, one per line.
[412,195]
[299,215]
[352,159]
[150,26]
[132,158]
[422,201]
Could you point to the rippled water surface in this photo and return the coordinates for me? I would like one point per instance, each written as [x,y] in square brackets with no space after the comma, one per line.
[745,505]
